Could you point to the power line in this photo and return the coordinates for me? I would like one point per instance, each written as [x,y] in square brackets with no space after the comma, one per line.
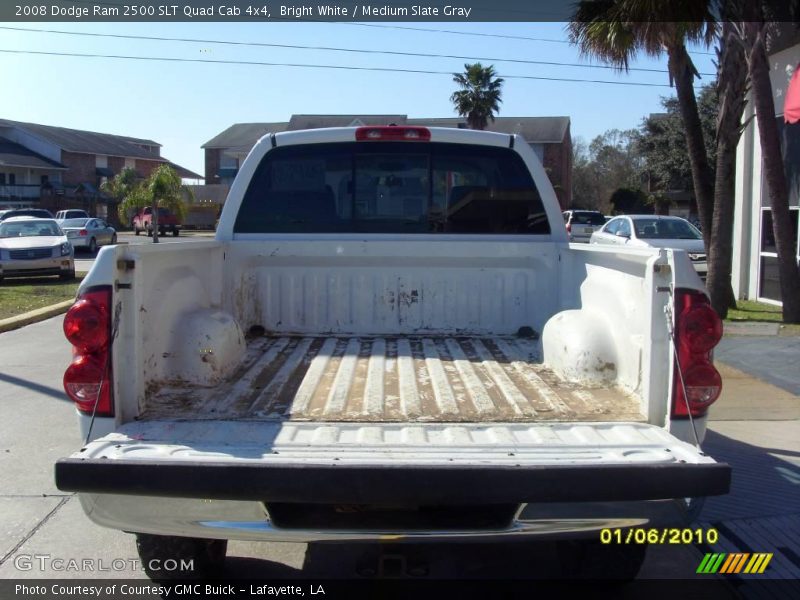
[313,66]
[423,29]
[473,33]
[326,48]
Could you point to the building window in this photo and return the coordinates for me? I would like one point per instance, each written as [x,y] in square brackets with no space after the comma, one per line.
[228,162]
[768,281]
[2,178]
[12,179]
[790,148]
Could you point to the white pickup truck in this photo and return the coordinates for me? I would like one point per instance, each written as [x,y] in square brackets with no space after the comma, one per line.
[391,336]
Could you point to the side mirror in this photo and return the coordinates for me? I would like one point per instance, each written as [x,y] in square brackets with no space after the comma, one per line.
[622,234]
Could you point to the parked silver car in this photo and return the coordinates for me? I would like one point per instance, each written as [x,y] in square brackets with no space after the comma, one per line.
[33,247]
[581,224]
[655,231]
[88,234]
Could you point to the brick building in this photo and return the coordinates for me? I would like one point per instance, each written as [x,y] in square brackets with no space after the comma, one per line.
[56,168]
[549,137]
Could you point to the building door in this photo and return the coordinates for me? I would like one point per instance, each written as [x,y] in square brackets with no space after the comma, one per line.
[769,288]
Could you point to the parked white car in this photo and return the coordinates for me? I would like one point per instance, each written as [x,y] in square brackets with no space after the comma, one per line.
[89,233]
[655,231]
[72,213]
[34,247]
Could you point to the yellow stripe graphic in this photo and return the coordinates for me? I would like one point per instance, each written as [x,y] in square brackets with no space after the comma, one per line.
[753,564]
[765,563]
[759,562]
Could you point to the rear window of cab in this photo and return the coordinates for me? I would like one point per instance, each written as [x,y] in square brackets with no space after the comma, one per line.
[392,187]
[588,218]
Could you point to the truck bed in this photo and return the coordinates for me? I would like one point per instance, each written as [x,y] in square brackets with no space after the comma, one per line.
[400,379]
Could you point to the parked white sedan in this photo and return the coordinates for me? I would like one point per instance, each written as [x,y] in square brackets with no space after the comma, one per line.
[655,231]
[34,247]
[88,234]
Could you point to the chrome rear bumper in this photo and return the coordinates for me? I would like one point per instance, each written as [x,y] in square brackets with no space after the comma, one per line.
[250,521]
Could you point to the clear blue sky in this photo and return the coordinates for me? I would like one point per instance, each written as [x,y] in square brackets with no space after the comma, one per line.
[182,106]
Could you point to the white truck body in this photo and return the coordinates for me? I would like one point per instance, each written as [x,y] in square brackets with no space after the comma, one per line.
[259,374]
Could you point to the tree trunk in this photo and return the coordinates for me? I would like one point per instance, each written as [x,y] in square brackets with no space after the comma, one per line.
[154,222]
[731,87]
[774,172]
[682,73]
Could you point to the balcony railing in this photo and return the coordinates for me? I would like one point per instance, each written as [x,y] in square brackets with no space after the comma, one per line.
[15,192]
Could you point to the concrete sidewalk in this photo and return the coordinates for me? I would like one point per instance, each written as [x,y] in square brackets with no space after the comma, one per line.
[773,359]
[745,397]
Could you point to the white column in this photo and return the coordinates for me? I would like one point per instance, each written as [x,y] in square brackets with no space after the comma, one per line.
[742,221]
[758,190]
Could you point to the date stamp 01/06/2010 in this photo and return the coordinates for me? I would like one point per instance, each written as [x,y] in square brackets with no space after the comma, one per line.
[655,535]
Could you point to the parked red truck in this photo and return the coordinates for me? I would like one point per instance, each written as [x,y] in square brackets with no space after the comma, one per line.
[167,221]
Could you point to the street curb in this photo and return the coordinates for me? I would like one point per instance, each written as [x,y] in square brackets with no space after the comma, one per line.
[751,328]
[34,316]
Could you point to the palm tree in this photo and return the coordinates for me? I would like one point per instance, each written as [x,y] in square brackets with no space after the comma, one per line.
[614,31]
[731,87]
[479,97]
[754,32]
[164,189]
[124,187]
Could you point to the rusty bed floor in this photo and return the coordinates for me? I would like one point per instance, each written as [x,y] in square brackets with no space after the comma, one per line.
[363,379]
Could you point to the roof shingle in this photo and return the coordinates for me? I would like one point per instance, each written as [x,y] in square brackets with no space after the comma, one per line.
[241,137]
[243,134]
[15,155]
[88,142]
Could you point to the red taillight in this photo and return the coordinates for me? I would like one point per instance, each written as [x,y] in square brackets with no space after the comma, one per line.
[83,232]
[87,325]
[703,384]
[698,329]
[83,379]
[569,227]
[393,133]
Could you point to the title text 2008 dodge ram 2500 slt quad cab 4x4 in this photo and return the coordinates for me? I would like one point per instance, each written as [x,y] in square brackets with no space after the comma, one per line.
[390,335]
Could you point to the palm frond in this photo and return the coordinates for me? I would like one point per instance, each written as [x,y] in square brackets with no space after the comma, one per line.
[479,97]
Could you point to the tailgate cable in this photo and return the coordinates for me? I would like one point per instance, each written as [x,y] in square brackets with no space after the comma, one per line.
[114,331]
[671,329]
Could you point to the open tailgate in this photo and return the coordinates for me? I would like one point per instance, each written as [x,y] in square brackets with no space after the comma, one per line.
[293,461]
